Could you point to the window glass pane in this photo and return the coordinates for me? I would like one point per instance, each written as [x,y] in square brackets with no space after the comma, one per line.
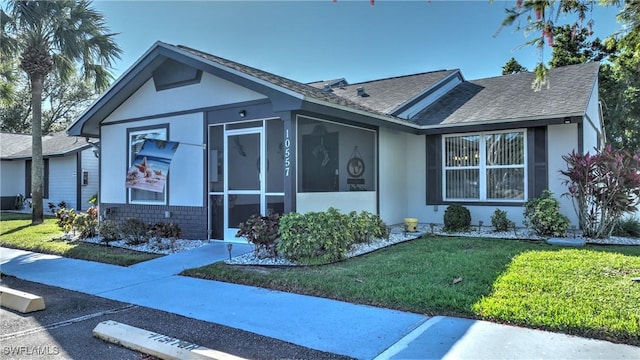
[275,205]
[216,159]
[462,184]
[136,139]
[216,213]
[244,161]
[505,184]
[241,207]
[462,151]
[333,157]
[244,125]
[505,148]
[275,156]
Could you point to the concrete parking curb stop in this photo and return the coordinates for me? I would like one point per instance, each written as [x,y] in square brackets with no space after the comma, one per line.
[161,346]
[20,301]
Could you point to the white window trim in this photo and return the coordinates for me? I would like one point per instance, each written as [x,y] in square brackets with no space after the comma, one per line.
[130,161]
[482,167]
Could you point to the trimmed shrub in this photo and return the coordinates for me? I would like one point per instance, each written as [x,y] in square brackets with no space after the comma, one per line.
[543,216]
[86,225]
[365,227]
[65,219]
[627,227]
[262,231]
[457,218]
[315,237]
[109,230]
[135,231]
[500,221]
[165,230]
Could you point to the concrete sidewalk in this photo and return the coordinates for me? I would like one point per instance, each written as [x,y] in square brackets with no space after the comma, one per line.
[359,331]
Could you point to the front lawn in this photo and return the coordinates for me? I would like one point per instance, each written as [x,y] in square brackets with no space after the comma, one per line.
[580,291]
[16,232]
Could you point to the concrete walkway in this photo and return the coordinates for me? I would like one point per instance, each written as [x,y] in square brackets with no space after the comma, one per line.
[359,331]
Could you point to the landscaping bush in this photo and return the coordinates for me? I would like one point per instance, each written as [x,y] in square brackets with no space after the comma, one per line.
[85,225]
[457,218]
[65,219]
[627,227]
[365,227]
[166,230]
[315,237]
[135,231]
[500,221]
[109,230]
[53,207]
[543,216]
[262,231]
[603,187]
[19,202]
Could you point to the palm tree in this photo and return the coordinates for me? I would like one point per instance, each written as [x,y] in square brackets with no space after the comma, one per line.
[61,36]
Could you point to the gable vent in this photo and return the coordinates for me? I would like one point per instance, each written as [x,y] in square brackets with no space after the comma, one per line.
[361,92]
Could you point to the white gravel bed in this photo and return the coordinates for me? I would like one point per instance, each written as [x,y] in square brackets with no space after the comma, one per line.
[396,236]
[525,234]
[155,245]
[166,246]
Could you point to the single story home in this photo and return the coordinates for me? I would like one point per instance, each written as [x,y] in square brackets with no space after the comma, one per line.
[70,170]
[407,146]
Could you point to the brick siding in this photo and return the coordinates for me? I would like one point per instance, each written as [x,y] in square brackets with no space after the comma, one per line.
[191,219]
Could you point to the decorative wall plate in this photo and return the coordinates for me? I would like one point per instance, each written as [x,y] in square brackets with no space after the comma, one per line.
[355,167]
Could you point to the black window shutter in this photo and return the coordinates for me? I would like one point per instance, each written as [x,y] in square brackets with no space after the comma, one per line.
[537,161]
[27,178]
[434,169]
[45,180]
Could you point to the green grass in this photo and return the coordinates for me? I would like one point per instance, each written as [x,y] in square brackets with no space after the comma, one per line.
[17,232]
[574,291]
[526,283]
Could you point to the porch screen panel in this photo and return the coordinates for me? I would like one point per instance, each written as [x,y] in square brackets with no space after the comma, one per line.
[335,157]
[275,156]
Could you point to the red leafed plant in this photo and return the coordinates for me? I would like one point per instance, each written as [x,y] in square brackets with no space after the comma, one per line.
[262,231]
[604,187]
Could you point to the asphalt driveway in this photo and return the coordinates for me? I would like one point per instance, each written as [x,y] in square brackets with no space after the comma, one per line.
[64,330]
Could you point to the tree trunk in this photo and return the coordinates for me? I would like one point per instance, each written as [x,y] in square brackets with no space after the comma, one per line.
[37,163]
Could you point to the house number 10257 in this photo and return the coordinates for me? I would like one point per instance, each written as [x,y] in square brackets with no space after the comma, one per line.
[287,153]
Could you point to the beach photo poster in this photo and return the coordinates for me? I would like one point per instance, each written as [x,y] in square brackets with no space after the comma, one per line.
[151,166]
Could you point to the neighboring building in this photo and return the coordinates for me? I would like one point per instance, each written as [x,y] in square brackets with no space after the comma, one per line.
[70,170]
[407,146]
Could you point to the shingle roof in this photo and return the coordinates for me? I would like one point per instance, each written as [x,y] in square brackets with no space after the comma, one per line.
[18,146]
[497,99]
[306,90]
[13,143]
[385,95]
[511,97]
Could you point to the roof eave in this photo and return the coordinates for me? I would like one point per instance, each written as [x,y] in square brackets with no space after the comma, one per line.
[415,99]
[77,128]
[526,121]
[384,120]
[140,72]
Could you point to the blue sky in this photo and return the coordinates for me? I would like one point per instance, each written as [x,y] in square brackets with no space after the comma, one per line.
[320,40]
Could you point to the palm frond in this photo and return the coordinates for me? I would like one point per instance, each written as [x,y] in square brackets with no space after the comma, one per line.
[72,32]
